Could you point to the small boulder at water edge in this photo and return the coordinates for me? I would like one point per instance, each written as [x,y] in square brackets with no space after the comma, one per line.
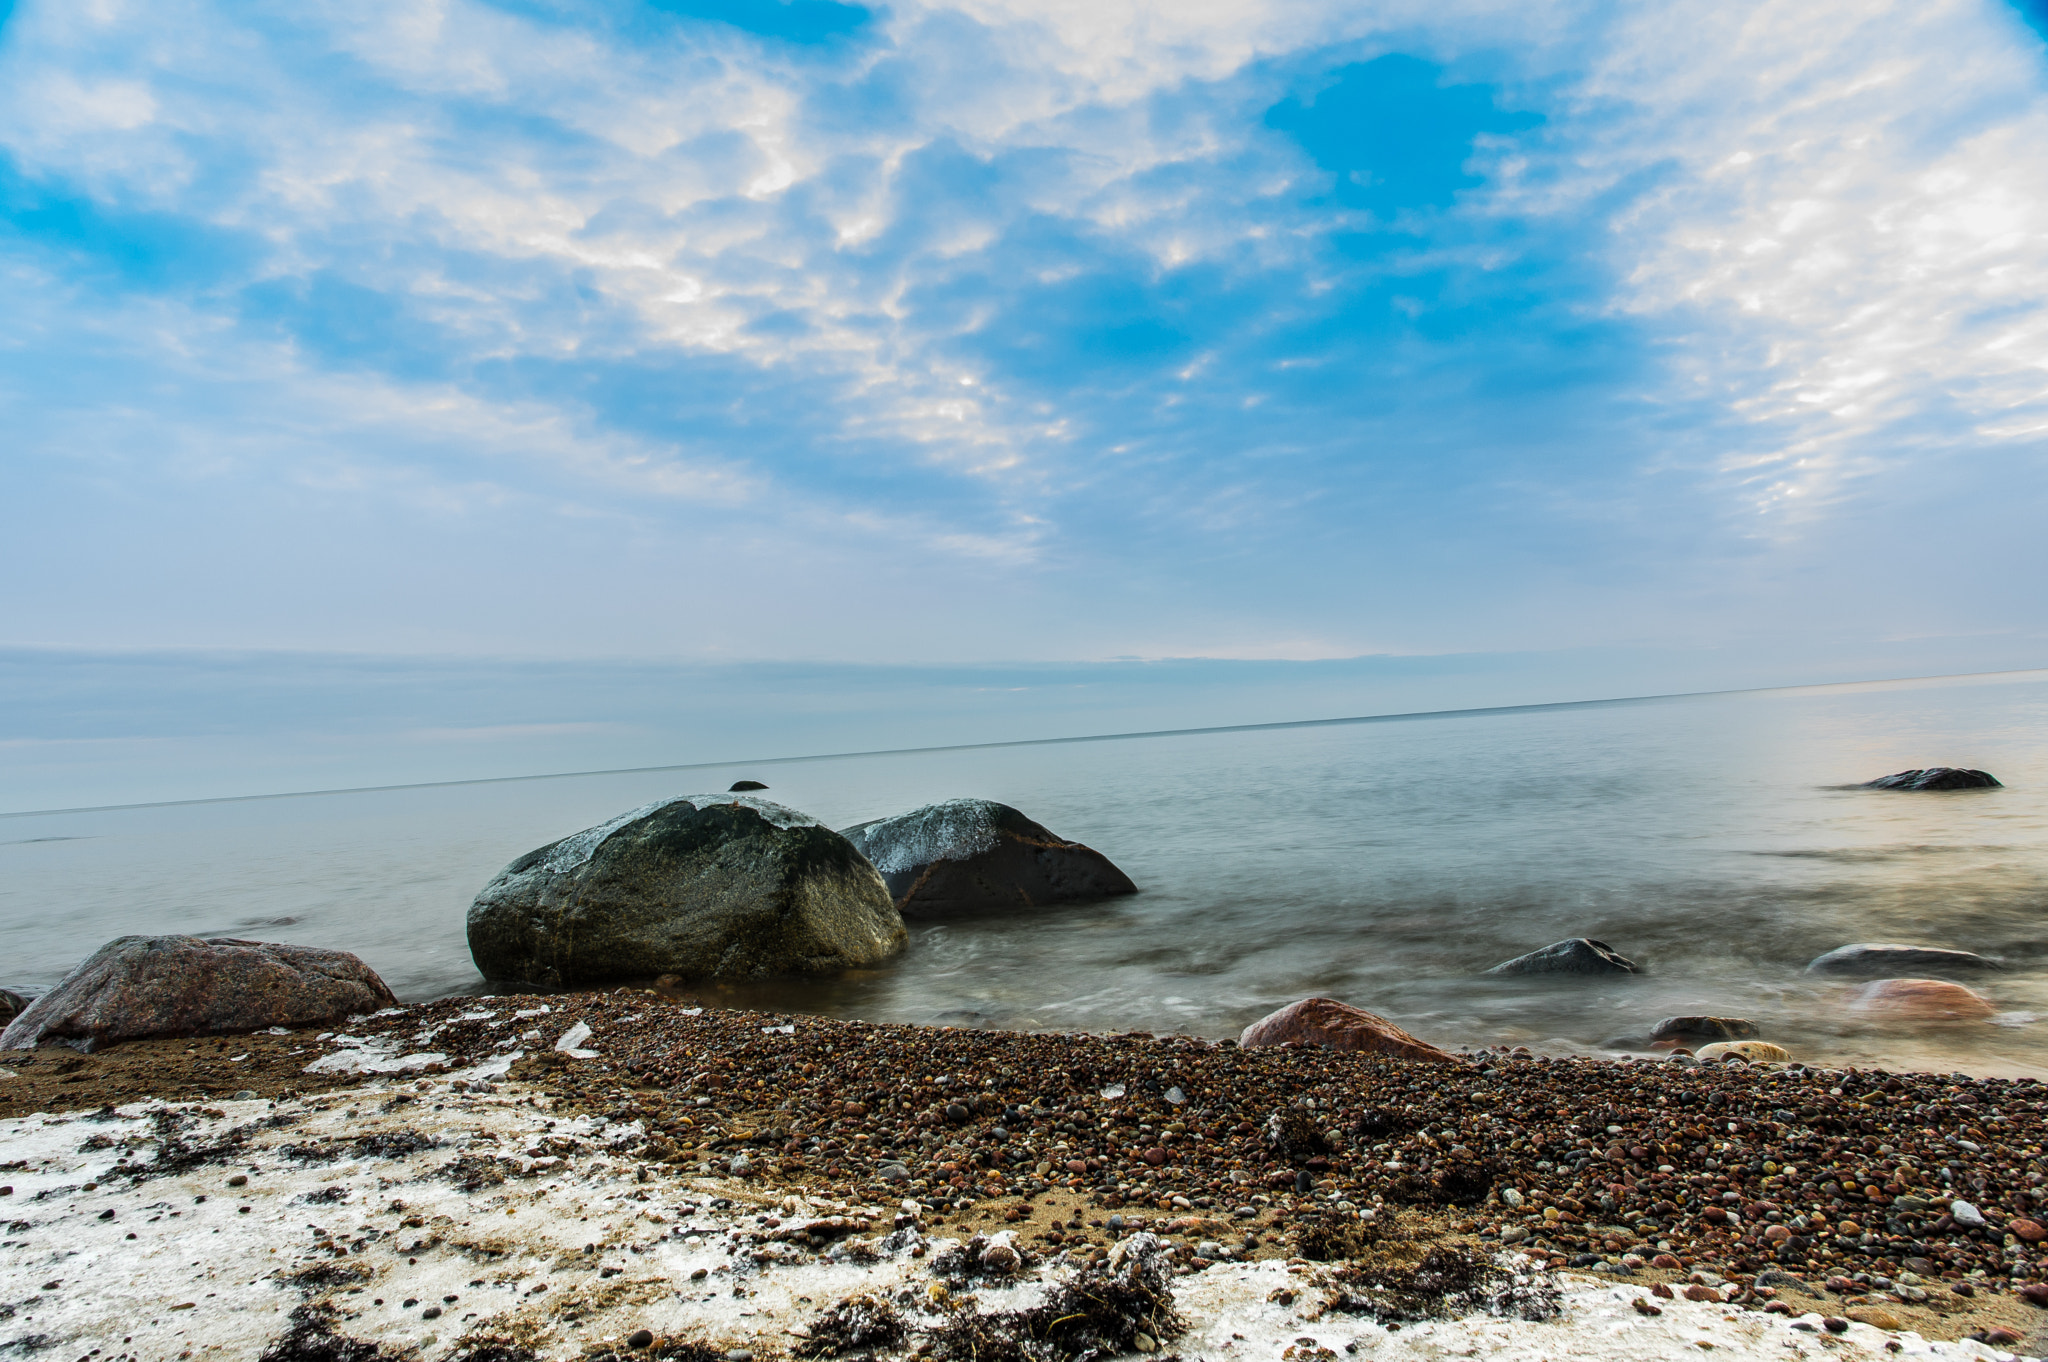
[12,1005]
[1936,778]
[977,856]
[1580,955]
[742,786]
[137,987]
[1920,1000]
[1881,959]
[1704,1028]
[1337,1026]
[718,886]
[1755,1051]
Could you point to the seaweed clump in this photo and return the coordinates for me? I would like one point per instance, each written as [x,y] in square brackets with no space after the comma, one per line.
[311,1338]
[1447,1283]
[1100,1312]
[1335,1236]
[859,1323]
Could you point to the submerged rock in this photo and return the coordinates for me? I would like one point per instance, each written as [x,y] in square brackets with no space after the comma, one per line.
[1883,958]
[705,887]
[1921,1000]
[1705,1028]
[1937,778]
[1580,955]
[137,987]
[1337,1026]
[978,856]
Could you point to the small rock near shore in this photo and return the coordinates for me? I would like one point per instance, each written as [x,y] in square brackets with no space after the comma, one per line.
[1580,955]
[12,1005]
[1883,958]
[742,786]
[1921,1000]
[1337,1026]
[1755,1051]
[1705,1028]
[704,887]
[138,987]
[977,856]
[1936,778]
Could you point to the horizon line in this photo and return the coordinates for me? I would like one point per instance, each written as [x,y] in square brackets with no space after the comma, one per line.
[1406,716]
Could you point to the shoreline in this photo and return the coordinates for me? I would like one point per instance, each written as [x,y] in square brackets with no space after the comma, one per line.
[864,1131]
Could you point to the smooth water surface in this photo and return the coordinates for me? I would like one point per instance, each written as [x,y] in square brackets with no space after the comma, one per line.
[1387,864]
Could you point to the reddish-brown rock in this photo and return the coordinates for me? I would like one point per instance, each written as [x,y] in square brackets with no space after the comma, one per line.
[1337,1026]
[2030,1230]
[1921,1000]
[136,987]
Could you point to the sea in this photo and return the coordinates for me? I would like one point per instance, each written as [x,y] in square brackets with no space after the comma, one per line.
[1719,841]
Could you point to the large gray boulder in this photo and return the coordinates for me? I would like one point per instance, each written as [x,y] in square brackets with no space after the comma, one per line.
[137,987]
[1884,959]
[1937,778]
[718,886]
[1580,955]
[977,856]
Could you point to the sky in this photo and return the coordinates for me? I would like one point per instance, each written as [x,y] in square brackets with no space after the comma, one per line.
[990,334]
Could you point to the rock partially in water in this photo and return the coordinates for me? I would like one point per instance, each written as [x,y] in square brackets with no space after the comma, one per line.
[1580,955]
[1704,1028]
[1880,958]
[704,887]
[977,856]
[742,786]
[138,987]
[1755,1051]
[12,1005]
[1337,1026]
[1937,778]
[1920,1000]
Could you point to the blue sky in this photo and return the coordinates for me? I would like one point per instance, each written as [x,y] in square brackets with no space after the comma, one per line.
[987,332]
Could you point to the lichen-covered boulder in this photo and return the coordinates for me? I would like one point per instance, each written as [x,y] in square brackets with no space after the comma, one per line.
[718,886]
[977,856]
[1937,778]
[136,987]
[1337,1026]
[1884,958]
[1580,955]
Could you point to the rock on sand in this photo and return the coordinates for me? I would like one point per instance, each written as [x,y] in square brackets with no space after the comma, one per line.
[1755,1051]
[1921,1000]
[718,886]
[1936,778]
[1580,955]
[978,856]
[136,987]
[1337,1026]
[1883,958]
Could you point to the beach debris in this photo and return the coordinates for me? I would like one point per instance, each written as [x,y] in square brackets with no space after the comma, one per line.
[1936,778]
[1579,955]
[1123,1305]
[971,856]
[138,987]
[1449,1281]
[1337,1026]
[707,886]
[1878,958]
[1920,1000]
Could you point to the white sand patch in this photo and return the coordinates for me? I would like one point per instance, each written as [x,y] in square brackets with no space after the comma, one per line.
[124,1234]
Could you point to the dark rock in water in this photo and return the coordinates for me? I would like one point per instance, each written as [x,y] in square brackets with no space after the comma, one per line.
[1937,778]
[1580,955]
[977,856]
[740,786]
[1704,1028]
[1337,1026]
[1884,959]
[12,1005]
[705,887]
[136,987]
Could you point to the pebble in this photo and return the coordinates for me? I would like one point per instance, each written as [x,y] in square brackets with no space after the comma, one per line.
[640,1338]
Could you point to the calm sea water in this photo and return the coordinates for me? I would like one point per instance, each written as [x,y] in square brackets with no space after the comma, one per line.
[1386,864]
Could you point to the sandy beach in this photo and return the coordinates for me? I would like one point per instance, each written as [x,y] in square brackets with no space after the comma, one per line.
[625,1173]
